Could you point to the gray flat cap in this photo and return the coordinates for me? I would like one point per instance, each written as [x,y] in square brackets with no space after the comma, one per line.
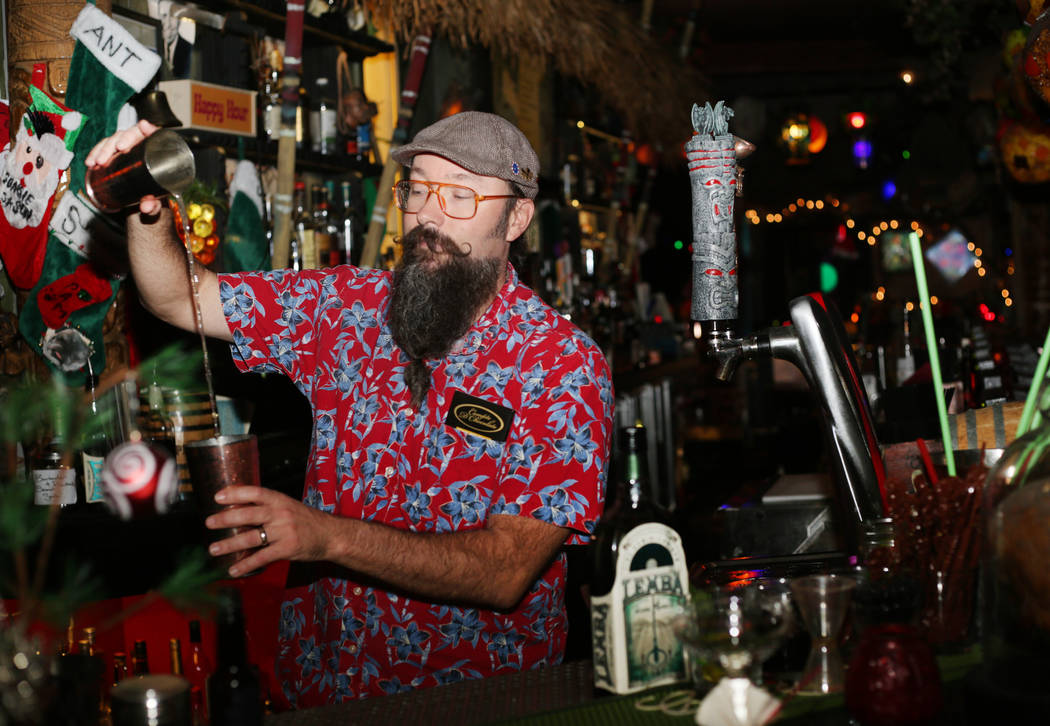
[483,143]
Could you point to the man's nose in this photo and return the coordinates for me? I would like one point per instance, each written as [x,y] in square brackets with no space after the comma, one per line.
[431,211]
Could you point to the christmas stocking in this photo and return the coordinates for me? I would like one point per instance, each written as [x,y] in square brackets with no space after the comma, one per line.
[30,167]
[244,246]
[63,316]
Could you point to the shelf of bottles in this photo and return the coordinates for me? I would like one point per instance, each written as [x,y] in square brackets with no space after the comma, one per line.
[589,272]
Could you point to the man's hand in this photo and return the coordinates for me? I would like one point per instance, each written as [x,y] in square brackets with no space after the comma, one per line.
[294,531]
[118,143]
[491,567]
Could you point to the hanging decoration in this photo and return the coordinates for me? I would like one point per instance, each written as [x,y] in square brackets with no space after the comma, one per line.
[1036,56]
[201,205]
[818,135]
[1025,150]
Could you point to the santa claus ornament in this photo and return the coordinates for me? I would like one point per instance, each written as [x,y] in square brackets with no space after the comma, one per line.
[30,168]
[62,318]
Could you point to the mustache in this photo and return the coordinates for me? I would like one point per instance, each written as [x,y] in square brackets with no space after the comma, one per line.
[433,240]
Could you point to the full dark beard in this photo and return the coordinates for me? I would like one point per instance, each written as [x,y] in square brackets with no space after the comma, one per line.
[434,302]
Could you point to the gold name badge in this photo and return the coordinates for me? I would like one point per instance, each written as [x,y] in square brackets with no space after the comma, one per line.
[480,417]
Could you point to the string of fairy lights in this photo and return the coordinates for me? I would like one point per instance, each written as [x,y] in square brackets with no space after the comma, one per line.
[870,236]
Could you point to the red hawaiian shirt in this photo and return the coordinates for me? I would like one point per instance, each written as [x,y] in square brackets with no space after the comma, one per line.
[374,458]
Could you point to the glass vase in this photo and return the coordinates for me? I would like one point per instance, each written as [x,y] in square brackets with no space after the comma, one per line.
[1015,577]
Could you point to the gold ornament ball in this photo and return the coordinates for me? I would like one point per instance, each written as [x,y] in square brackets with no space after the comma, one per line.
[196,243]
[202,227]
[193,210]
[207,212]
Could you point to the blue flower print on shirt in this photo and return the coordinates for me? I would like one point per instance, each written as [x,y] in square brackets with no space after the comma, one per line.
[341,689]
[292,621]
[407,642]
[239,303]
[535,382]
[558,506]
[505,644]
[358,318]
[461,367]
[309,658]
[312,497]
[479,446]
[284,352]
[417,503]
[394,685]
[502,506]
[373,614]
[495,377]
[464,625]
[364,409]
[352,625]
[577,444]
[325,430]
[438,439]
[329,297]
[346,375]
[531,310]
[291,315]
[456,673]
[465,505]
[571,383]
[521,458]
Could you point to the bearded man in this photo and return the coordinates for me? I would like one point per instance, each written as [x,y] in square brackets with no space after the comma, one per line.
[461,429]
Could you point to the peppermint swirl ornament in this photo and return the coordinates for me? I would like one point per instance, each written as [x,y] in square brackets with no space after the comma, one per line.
[139,479]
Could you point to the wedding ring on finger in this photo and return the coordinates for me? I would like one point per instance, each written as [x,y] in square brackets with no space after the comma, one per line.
[263,539]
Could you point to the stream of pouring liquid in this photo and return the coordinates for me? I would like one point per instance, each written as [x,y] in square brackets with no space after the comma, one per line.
[198,319]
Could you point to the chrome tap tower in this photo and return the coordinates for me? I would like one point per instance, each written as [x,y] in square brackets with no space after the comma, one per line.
[815,341]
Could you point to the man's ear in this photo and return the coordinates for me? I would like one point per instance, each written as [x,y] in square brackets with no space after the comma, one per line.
[520,218]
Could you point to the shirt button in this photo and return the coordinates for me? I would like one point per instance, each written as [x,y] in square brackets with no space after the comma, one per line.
[409,412]
[389,472]
[352,649]
[357,591]
[355,455]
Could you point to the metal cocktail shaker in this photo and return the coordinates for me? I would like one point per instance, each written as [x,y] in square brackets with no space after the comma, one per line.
[161,164]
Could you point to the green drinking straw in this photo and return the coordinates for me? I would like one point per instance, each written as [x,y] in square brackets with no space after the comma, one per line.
[1033,390]
[931,345]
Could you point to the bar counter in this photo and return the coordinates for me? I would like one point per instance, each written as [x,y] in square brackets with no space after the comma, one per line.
[564,695]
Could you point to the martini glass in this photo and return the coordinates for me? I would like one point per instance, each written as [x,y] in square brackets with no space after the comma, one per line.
[823,601]
[736,628]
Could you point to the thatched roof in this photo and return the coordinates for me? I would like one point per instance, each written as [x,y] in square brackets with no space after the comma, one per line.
[594,41]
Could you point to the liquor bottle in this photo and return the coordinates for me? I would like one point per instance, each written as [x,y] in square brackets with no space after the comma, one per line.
[323,236]
[270,102]
[234,691]
[175,656]
[639,582]
[906,358]
[197,674]
[348,224]
[364,143]
[88,640]
[120,666]
[52,477]
[160,429]
[302,120]
[303,232]
[139,660]
[97,443]
[323,131]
